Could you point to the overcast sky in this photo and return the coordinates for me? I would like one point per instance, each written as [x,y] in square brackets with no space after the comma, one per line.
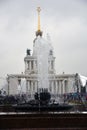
[64,20]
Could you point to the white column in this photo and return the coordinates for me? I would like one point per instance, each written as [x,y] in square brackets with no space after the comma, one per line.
[63,86]
[26,65]
[52,85]
[56,86]
[34,65]
[30,65]
[53,65]
[59,87]
[50,64]
[26,86]
[31,87]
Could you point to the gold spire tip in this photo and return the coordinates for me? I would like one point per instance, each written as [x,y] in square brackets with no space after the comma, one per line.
[38,10]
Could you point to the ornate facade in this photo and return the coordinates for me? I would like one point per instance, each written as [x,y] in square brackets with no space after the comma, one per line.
[27,82]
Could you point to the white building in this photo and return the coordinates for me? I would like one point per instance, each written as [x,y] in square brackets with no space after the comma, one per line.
[27,82]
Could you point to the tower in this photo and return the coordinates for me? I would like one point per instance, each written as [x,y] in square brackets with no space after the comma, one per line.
[31,60]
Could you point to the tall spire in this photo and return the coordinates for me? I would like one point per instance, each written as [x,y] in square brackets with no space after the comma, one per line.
[38,10]
[38,32]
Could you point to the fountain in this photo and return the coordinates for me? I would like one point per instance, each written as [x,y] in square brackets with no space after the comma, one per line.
[42,48]
[42,98]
